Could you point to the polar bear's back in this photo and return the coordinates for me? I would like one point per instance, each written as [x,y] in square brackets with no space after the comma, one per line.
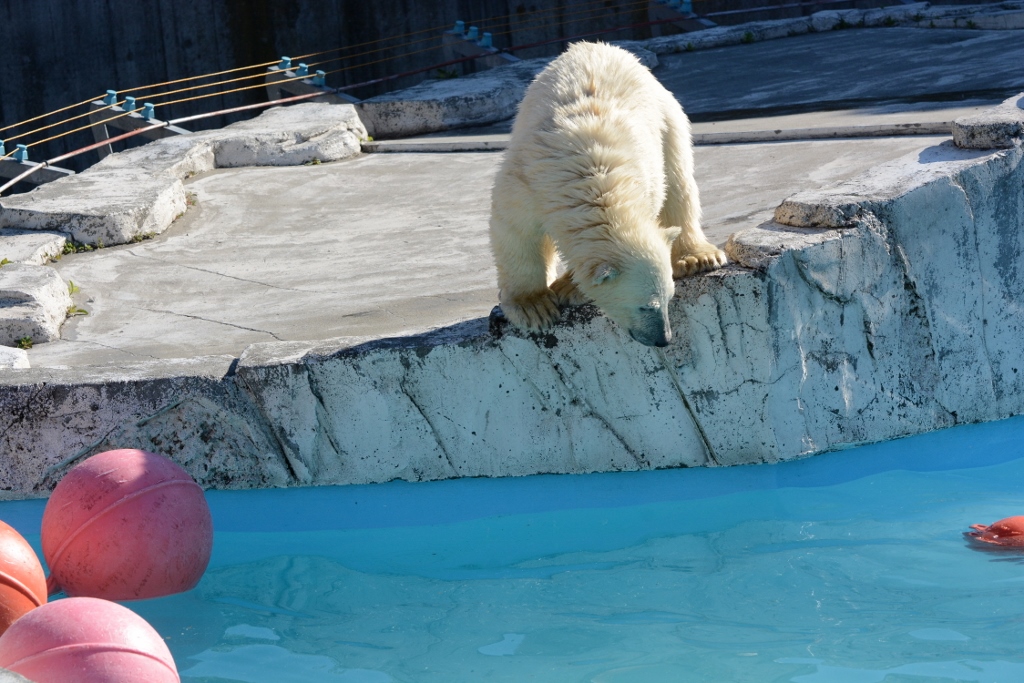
[587,72]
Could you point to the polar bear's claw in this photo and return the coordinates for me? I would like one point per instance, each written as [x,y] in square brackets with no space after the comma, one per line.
[691,264]
[535,311]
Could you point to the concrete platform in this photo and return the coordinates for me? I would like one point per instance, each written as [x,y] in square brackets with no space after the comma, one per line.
[268,336]
[382,245]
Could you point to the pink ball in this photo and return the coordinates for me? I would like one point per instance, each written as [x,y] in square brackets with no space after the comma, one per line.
[126,525]
[85,640]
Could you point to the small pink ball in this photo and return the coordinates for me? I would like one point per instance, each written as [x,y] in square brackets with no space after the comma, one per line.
[86,640]
[126,525]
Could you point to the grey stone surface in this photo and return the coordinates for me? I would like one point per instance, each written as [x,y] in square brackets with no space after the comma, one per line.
[34,302]
[842,205]
[845,69]
[290,136]
[996,128]
[1002,16]
[139,193]
[102,206]
[12,358]
[32,247]
[437,105]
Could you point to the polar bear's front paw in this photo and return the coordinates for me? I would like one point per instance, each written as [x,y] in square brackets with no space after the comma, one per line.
[533,311]
[566,291]
[706,257]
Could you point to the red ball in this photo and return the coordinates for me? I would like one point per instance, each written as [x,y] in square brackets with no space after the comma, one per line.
[85,640]
[22,582]
[1006,532]
[126,525]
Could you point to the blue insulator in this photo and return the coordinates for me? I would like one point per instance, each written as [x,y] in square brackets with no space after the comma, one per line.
[147,111]
[473,34]
[129,104]
[21,153]
[111,97]
[286,63]
[320,79]
[460,27]
[486,41]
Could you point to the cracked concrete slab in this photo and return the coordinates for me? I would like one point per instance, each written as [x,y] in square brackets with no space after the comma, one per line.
[34,301]
[995,128]
[32,247]
[138,193]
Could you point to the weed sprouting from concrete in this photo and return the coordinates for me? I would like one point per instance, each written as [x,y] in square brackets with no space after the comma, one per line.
[446,74]
[191,199]
[747,38]
[73,288]
[25,343]
[4,262]
[143,236]
[841,25]
[73,247]
[75,310]
[971,24]
[315,161]
[889,21]
[690,47]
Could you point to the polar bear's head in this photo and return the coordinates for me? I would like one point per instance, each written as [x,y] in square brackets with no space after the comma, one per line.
[632,284]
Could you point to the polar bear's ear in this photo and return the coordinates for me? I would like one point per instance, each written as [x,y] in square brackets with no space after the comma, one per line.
[600,272]
[672,234]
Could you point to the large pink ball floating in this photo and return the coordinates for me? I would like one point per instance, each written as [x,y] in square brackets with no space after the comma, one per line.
[86,640]
[126,525]
[22,583]
[1006,532]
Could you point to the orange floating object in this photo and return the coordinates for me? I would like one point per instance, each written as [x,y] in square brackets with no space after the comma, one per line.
[126,525]
[22,582]
[1007,532]
[85,640]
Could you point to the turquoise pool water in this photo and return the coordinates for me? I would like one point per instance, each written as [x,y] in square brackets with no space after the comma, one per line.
[849,567]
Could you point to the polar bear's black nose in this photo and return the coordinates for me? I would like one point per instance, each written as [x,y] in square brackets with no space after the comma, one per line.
[659,337]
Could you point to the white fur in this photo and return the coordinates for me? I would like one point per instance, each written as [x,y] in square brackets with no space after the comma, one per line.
[599,168]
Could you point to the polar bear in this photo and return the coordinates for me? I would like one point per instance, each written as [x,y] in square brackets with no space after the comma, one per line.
[599,169]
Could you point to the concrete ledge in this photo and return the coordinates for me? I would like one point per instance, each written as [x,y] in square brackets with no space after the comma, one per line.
[11,358]
[843,205]
[437,105]
[33,303]
[190,410]
[139,192]
[1004,16]
[31,247]
[997,128]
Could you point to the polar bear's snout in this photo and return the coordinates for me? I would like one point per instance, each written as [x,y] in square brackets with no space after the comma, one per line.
[652,327]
